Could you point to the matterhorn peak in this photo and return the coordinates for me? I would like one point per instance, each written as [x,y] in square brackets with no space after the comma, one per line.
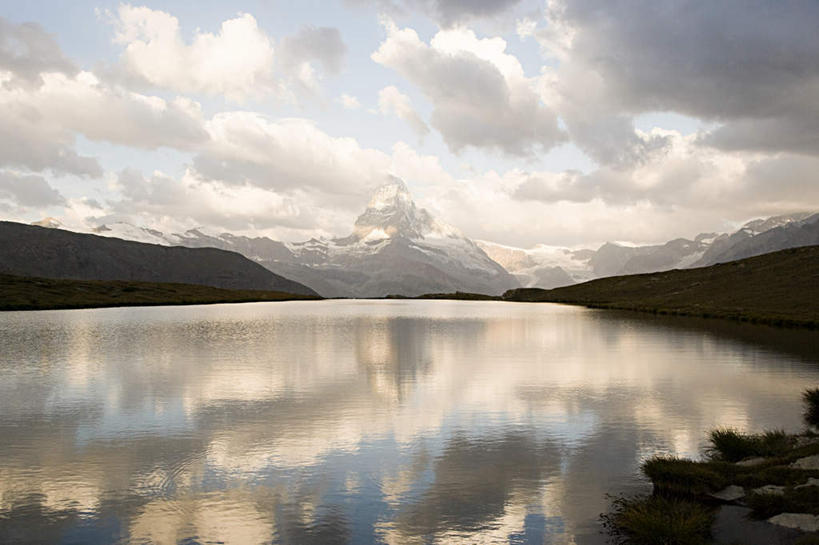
[392,213]
[393,194]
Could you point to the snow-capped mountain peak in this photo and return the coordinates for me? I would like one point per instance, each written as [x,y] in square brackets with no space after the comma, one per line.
[391,195]
[392,213]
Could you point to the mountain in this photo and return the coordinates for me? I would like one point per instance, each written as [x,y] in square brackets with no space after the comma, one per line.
[764,236]
[780,288]
[33,251]
[538,267]
[395,248]
[542,266]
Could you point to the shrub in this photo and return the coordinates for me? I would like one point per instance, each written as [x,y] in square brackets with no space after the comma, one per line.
[655,520]
[811,399]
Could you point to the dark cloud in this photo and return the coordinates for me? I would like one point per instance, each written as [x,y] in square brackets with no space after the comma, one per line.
[752,65]
[28,190]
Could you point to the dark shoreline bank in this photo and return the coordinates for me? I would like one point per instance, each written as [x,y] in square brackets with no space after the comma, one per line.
[24,293]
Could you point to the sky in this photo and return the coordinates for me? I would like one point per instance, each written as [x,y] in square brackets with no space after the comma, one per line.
[565,123]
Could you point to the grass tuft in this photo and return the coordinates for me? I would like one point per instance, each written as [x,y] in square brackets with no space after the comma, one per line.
[798,500]
[656,520]
[684,477]
[732,446]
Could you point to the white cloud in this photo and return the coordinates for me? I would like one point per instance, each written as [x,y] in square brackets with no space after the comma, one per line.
[288,154]
[393,101]
[41,121]
[480,94]
[349,102]
[236,62]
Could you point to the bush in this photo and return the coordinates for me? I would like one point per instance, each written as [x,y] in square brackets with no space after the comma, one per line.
[732,446]
[811,399]
[655,520]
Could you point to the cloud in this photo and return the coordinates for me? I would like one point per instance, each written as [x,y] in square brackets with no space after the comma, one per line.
[322,44]
[392,101]
[193,200]
[288,154]
[39,123]
[480,95]
[300,52]
[26,50]
[28,190]
[33,142]
[239,62]
[751,67]
[446,13]
[349,102]
[236,62]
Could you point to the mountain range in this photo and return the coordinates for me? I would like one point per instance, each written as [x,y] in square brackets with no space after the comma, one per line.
[394,248]
[550,267]
[397,248]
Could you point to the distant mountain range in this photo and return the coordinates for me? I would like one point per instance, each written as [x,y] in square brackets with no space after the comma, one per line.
[396,248]
[34,251]
[550,267]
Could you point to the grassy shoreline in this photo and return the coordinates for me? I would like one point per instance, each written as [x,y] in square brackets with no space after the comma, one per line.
[780,289]
[24,293]
[773,475]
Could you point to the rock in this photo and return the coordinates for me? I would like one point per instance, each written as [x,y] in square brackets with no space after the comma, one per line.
[811,482]
[733,525]
[799,521]
[770,489]
[808,462]
[804,440]
[729,493]
[756,460]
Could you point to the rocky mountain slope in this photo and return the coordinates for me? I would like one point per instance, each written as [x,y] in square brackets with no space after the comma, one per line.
[33,251]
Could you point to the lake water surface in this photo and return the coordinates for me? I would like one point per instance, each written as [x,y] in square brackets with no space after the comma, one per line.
[396,422]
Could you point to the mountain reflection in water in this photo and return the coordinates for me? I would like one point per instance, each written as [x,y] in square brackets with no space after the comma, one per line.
[363,421]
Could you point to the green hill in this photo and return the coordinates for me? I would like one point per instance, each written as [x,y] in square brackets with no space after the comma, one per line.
[25,293]
[780,288]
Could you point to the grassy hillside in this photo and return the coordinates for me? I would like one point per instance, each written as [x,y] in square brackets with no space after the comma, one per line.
[780,288]
[32,251]
[24,293]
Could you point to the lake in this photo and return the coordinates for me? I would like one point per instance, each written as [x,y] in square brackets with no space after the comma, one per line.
[396,422]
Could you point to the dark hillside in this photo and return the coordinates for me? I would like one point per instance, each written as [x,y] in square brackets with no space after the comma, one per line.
[28,250]
[779,288]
